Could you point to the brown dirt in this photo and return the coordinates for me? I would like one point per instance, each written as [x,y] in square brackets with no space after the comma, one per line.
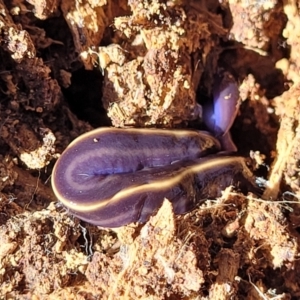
[69,66]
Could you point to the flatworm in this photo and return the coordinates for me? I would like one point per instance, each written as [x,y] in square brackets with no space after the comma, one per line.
[111,177]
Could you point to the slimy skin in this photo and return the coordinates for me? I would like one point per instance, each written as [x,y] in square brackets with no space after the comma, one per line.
[221,113]
[106,151]
[119,199]
[226,103]
[111,177]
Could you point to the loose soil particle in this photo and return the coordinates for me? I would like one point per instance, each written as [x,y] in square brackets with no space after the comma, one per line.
[69,66]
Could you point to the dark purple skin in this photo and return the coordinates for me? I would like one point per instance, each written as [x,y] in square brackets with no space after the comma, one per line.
[198,180]
[220,114]
[111,177]
[84,172]
[194,188]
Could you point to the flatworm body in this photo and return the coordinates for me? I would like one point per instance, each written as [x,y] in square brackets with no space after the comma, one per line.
[111,177]
[220,114]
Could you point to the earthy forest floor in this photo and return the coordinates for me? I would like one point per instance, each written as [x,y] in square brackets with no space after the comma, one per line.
[69,66]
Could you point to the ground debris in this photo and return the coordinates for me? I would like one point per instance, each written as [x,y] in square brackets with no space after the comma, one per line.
[16,41]
[44,8]
[150,265]
[266,226]
[286,165]
[154,79]
[88,21]
[183,257]
[257,24]
[29,245]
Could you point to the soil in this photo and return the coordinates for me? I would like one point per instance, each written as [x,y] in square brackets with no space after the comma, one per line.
[69,66]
